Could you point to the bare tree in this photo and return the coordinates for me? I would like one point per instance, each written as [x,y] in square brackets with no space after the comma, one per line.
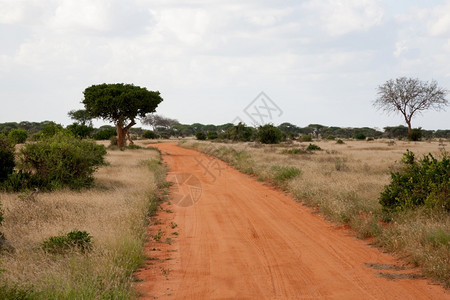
[409,96]
[158,121]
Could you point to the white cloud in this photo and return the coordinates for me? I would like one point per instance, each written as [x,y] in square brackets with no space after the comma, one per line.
[439,20]
[339,17]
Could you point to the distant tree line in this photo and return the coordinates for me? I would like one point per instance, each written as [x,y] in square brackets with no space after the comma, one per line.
[163,127]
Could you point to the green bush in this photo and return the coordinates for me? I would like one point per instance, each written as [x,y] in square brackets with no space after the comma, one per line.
[74,240]
[418,183]
[105,134]
[331,137]
[306,138]
[269,134]
[61,160]
[415,134]
[80,130]
[200,136]
[339,141]
[212,135]
[150,134]
[6,158]
[313,147]
[50,129]
[360,136]
[283,174]
[18,136]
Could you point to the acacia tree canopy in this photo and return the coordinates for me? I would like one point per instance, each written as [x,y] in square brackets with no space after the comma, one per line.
[409,96]
[121,104]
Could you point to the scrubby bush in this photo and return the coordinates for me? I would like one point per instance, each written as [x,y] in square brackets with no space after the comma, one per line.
[105,133]
[150,134]
[418,183]
[415,134]
[18,136]
[212,135]
[360,136]
[331,137]
[6,158]
[339,141]
[269,134]
[239,132]
[313,147]
[74,240]
[50,129]
[80,130]
[200,136]
[306,138]
[61,160]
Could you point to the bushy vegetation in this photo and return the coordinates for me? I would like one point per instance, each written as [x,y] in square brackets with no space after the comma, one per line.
[73,241]
[313,147]
[212,135]
[150,134]
[80,130]
[54,162]
[105,133]
[200,136]
[423,182]
[18,136]
[6,158]
[306,138]
[360,136]
[283,174]
[415,134]
[269,134]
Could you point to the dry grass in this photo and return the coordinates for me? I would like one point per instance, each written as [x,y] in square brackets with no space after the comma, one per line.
[114,213]
[344,182]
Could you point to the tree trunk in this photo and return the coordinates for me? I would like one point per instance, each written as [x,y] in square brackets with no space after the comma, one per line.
[409,127]
[123,133]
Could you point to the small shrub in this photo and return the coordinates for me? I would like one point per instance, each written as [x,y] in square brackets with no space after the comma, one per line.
[150,134]
[339,141]
[81,131]
[113,141]
[61,160]
[7,163]
[212,135]
[306,138]
[331,137]
[200,136]
[415,134]
[50,129]
[74,240]
[369,139]
[269,134]
[295,151]
[313,147]
[360,136]
[418,183]
[105,133]
[18,136]
[282,174]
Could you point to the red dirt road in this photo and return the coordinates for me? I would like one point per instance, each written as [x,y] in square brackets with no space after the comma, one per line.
[245,240]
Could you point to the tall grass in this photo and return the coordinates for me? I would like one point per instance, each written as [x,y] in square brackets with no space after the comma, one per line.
[344,183]
[115,213]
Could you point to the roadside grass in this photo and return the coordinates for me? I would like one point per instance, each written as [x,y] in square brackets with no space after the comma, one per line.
[115,214]
[343,183]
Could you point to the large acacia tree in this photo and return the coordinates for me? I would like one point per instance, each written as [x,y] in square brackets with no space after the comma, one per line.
[409,96]
[121,104]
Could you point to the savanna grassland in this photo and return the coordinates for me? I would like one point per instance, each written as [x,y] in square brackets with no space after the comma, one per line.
[343,182]
[114,213]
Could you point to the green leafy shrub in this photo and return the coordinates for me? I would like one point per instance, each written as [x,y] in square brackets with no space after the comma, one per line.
[105,133]
[313,147]
[283,174]
[50,129]
[360,136]
[269,134]
[150,134]
[331,137]
[418,183]
[339,141]
[6,158]
[61,160]
[415,134]
[200,136]
[212,135]
[80,130]
[18,136]
[74,240]
[306,138]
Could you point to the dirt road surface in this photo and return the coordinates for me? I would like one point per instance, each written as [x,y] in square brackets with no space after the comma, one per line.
[228,236]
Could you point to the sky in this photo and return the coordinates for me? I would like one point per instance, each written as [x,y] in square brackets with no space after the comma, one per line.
[214,62]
